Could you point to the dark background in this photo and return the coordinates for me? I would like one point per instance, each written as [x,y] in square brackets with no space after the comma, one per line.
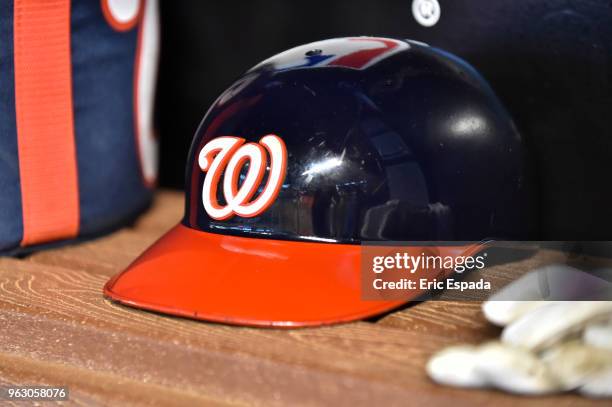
[548,61]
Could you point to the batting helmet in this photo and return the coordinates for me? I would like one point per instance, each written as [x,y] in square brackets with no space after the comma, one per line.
[311,153]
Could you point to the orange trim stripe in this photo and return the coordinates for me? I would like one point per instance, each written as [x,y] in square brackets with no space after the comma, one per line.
[45,128]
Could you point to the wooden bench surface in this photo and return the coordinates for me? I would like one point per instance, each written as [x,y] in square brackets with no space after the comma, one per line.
[57,329]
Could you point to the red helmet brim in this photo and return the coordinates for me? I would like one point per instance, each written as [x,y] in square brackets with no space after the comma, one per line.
[246,281]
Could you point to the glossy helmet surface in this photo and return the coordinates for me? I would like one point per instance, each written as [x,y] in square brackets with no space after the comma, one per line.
[386,140]
[314,151]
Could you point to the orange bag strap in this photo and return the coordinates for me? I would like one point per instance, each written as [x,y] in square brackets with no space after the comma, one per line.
[44,115]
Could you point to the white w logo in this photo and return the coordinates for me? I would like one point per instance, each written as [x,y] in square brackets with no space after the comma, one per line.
[231,154]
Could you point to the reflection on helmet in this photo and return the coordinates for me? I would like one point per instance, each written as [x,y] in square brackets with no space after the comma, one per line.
[386,140]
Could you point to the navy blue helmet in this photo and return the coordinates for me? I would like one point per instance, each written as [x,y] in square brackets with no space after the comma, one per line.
[314,151]
[385,140]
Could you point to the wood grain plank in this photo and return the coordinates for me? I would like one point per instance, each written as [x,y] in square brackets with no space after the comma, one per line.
[57,328]
[55,315]
[110,254]
[461,320]
[89,388]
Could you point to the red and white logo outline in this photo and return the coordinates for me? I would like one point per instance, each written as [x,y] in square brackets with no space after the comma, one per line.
[227,155]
